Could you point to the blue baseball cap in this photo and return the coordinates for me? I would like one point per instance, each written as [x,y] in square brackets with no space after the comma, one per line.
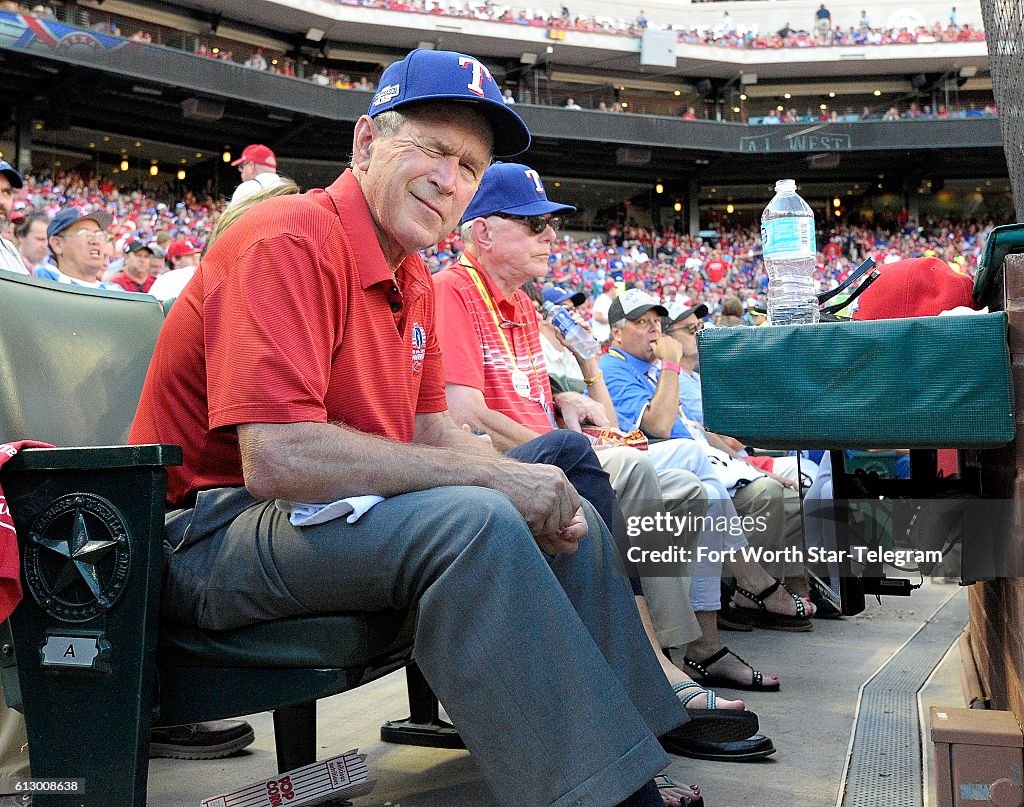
[443,75]
[12,175]
[512,188]
[559,296]
[66,218]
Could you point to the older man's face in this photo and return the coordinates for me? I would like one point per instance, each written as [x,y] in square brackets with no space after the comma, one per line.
[79,250]
[420,180]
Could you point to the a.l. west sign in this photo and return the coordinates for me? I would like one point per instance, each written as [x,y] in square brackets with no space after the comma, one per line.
[806,141]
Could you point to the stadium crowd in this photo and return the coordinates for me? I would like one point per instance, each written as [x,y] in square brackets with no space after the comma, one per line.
[665,263]
[727,33]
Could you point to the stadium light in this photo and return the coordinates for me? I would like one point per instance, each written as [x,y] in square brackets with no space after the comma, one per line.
[315,34]
[154,170]
[877,93]
[837,202]
[124,165]
[730,209]
[181,173]
[787,95]
[659,188]
[678,206]
[226,156]
[743,97]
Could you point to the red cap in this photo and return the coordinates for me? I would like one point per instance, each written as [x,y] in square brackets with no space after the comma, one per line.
[180,248]
[915,287]
[258,155]
[608,285]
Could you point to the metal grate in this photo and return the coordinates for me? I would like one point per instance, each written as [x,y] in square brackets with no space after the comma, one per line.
[1004,32]
[885,761]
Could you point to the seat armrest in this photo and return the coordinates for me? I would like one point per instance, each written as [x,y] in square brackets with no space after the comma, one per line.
[94,458]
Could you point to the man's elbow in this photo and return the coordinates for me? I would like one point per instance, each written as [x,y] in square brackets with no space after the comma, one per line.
[466,406]
[262,479]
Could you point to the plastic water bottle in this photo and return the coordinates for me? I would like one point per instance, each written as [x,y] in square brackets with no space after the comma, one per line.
[787,237]
[575,335]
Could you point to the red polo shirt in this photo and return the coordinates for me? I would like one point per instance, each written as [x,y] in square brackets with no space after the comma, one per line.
[475,356]
[288,320]
[128,284]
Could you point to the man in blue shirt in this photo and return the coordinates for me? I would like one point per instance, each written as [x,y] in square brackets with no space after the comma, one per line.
[641,371]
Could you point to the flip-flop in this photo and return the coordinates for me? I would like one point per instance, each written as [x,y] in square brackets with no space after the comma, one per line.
[698,671]
[748,750]
[711,724]
[763,618]
[664,782]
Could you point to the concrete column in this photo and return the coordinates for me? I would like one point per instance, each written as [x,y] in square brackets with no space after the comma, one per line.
[914,204]
[692,206]
[23,138]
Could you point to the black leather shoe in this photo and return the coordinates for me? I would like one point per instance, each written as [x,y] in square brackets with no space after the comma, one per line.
[213,740]
[753,748]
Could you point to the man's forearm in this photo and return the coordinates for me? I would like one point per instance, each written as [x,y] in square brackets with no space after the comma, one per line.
[505,433]
[323,462]
[661,415]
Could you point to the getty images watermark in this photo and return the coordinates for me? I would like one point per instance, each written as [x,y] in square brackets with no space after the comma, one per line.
[969,537]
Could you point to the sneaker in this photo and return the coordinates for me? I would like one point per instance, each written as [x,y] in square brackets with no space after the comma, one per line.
[213,740]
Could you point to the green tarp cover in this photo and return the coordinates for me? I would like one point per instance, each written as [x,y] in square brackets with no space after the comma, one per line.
[927,382]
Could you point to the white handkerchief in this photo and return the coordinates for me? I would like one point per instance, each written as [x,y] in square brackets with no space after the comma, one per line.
[301,514]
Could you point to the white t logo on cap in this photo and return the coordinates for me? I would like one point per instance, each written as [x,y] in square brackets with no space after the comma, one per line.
[476,86]
[536,179]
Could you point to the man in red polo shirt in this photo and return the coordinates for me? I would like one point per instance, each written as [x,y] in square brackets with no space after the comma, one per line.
[135,274]
[300,366]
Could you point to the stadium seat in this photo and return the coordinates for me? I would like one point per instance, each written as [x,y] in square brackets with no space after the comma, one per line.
[94,665]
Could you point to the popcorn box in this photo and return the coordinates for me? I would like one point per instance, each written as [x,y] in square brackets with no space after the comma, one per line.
[325,782]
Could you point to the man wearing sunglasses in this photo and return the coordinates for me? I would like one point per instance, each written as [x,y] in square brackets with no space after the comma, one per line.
[496,381]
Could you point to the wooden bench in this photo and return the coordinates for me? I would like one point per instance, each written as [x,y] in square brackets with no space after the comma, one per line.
[86,656]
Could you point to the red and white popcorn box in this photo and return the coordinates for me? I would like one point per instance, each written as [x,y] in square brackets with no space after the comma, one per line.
[323,782]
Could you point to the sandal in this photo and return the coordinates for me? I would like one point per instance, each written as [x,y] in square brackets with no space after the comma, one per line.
[691,793]
[710,724]
[763,618]
[698,670]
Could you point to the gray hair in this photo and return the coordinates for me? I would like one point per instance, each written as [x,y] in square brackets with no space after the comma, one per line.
[388,123]
[619,323]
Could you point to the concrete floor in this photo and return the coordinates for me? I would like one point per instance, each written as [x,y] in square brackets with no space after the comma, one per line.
[809,720]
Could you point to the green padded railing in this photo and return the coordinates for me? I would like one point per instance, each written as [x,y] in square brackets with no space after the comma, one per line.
[927,382]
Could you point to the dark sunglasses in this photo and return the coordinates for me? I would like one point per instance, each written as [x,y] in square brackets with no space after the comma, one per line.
[537,224]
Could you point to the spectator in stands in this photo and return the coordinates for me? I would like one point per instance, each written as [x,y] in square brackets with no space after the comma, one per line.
[257,61]
[508,97]
[731,316]
[647,396]
[599,326]
[689,114]
[299,424]
[682,324]
[570,103]
[76,240]
[30,234]
[822,24]
[134,275]
[183,256]
[157,263]
[258,167]
[499,385]
[10,180]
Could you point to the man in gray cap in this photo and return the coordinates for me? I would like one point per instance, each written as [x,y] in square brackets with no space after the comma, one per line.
[301,365]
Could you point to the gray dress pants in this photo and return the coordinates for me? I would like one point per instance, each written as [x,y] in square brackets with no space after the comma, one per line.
[542,663]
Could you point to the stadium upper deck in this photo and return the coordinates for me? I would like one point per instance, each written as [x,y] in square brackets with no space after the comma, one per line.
[83,95]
